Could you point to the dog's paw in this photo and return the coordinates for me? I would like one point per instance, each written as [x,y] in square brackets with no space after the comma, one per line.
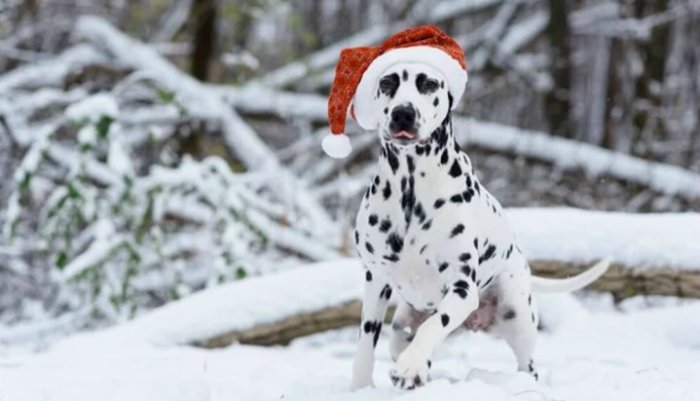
[410,373]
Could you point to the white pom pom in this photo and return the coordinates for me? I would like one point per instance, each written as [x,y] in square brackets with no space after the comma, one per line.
[336,146]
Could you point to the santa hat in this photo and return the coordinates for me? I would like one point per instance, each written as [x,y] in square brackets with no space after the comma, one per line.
[360,68]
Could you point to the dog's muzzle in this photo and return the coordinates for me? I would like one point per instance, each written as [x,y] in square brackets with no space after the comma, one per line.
[403,124]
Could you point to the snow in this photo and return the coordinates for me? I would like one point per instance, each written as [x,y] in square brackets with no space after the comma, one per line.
[663,240]
[569,235]
[594,353]
[93,108]
[567,154]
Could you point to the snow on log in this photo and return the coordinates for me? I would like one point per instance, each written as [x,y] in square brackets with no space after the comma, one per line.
[648,259]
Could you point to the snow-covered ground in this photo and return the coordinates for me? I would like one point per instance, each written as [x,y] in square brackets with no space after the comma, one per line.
[589,351]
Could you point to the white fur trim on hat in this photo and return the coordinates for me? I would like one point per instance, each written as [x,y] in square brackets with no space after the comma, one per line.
[455,75]
[336,146]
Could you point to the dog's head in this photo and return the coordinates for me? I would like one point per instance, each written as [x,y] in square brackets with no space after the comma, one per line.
[413,101]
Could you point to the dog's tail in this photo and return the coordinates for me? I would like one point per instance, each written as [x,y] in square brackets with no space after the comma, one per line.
[540,284]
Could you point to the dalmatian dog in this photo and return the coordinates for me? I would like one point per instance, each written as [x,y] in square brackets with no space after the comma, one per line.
[430,232]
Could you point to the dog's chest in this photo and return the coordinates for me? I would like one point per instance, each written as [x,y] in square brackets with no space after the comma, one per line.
[400,234]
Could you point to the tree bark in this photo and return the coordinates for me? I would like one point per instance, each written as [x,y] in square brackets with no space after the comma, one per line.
[203,16]
[558,107]
[623,282]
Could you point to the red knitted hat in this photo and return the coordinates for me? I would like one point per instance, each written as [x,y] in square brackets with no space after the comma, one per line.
[360,68]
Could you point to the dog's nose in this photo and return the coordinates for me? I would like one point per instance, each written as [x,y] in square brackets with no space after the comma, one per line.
[403,116]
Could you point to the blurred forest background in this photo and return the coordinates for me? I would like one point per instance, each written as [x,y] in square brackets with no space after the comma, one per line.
[135,171]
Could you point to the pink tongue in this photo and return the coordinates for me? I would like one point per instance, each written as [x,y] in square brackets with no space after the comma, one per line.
[403,134]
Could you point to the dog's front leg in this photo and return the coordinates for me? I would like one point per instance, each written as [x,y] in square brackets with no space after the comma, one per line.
[412,366]
[376,298]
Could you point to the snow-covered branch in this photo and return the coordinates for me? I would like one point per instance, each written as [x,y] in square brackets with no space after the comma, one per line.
[563,153]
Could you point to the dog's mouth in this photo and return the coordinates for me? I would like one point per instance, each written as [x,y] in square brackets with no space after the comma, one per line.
[403,134]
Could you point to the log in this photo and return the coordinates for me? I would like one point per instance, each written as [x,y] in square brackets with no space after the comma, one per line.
[622,281]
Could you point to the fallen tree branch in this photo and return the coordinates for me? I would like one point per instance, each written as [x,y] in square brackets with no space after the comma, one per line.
[621,281]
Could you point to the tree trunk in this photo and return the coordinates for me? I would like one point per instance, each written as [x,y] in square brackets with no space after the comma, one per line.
[558,105]
[203,16]
[654,53]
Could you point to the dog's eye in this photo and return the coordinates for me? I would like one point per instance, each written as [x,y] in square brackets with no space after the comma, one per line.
[425,84]
[389,84]
[431,85]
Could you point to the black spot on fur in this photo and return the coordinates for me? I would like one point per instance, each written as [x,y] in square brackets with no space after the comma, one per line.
[490,251]
[411,164]
[385,226]
[404,75]
[455,170]
[444,158]
[427,225]
[386,110]
[459,228]
[510,314]
[389,84]
[422,249]
[368,275]
[461,284]
[436,102]
[438,203]
[392,258]
[465,257]
[369,247]
[376,334]
[456,198]
[419,212]
[443,266]
[386,292]
[357,237]
[387,190]
[395,242]
[392,159]
[467,270]
[373,219]
[445,319]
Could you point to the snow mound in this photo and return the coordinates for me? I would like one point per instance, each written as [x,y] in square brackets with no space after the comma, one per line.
[666,240]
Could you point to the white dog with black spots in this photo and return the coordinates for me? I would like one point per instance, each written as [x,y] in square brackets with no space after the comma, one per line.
[430,232]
